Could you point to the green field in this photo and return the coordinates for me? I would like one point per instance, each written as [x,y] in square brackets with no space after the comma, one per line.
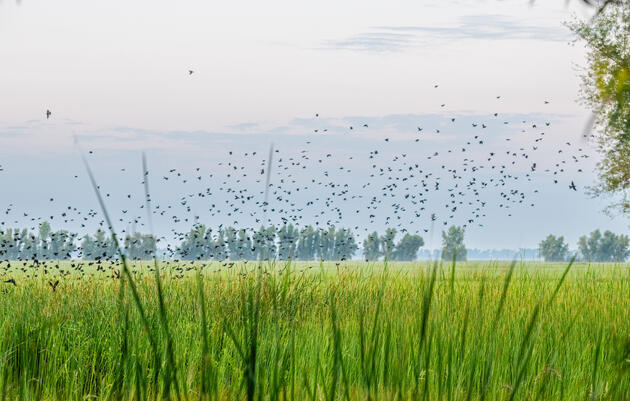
[348,331]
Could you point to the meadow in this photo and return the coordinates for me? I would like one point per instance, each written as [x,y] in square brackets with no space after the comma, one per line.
[315,331]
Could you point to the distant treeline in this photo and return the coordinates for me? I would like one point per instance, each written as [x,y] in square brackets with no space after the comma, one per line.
[22,244]
[290,243]
[596,247]
[203,243]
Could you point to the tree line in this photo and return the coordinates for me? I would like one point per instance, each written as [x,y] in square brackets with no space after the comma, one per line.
[203,243]
[284,243]
[596,247]
[22,244]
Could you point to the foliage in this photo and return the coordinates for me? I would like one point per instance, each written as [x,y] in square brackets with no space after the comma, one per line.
[372,247]
[407,248]
[140,246]
[609,247]
[453,244]
[16,244]
[387,243]
[553,249]
[606,91]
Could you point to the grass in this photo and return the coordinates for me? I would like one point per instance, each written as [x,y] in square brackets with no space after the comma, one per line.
[300,331]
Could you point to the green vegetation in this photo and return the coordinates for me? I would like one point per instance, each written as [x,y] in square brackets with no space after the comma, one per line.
[376,246]
[453,244]
[554,249]
[315,331]
[606,91]
[608,247]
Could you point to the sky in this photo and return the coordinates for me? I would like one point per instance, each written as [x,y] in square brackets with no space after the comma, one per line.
[115,76]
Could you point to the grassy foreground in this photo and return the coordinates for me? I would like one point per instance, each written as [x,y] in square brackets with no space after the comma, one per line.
[353,331]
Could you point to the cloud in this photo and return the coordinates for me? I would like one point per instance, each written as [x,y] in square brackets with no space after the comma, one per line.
[485,27]
[375,41]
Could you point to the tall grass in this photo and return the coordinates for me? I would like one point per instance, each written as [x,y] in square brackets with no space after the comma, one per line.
[352,332]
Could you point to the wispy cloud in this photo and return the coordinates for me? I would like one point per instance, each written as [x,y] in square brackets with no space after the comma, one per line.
[378,41]
[473,27]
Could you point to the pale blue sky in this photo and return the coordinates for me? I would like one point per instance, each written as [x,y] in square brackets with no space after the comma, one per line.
[115,75]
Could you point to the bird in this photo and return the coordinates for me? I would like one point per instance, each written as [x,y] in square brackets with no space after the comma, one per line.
[11,281]
[190,72]
[48,114]
[53,285]
[572,186]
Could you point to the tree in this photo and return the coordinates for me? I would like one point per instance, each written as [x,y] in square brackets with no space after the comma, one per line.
[326,246]
[345,245]
[307,243]
[88,247]
[244,245]
[453,244]
[232,243]
[589,246]
[264,243]
[553,249]
[287,242]
[606,91]
[44,233]
[604,248]
[194,245]
[218,249]
[387,243]
[372,247]
[140,246]
[407,248]
[621,250]
[104,245]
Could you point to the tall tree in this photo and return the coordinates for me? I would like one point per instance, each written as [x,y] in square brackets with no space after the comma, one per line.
[264,243]
[372,247]
[194,246]
[554,249]
[218,247]
[606,91]
[287,242]
[408,246]
[608,247]
[326,246]
[387,243]
[233,247]
[589,246]
[244,245]
[307,245]
[345,244]
[44,234]
[453,244]
[140,246]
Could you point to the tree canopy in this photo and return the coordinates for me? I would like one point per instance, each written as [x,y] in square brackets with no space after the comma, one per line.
[453,244]
[608,247]
[554,249]
[606,91]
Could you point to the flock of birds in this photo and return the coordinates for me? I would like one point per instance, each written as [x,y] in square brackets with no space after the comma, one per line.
[383,187]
